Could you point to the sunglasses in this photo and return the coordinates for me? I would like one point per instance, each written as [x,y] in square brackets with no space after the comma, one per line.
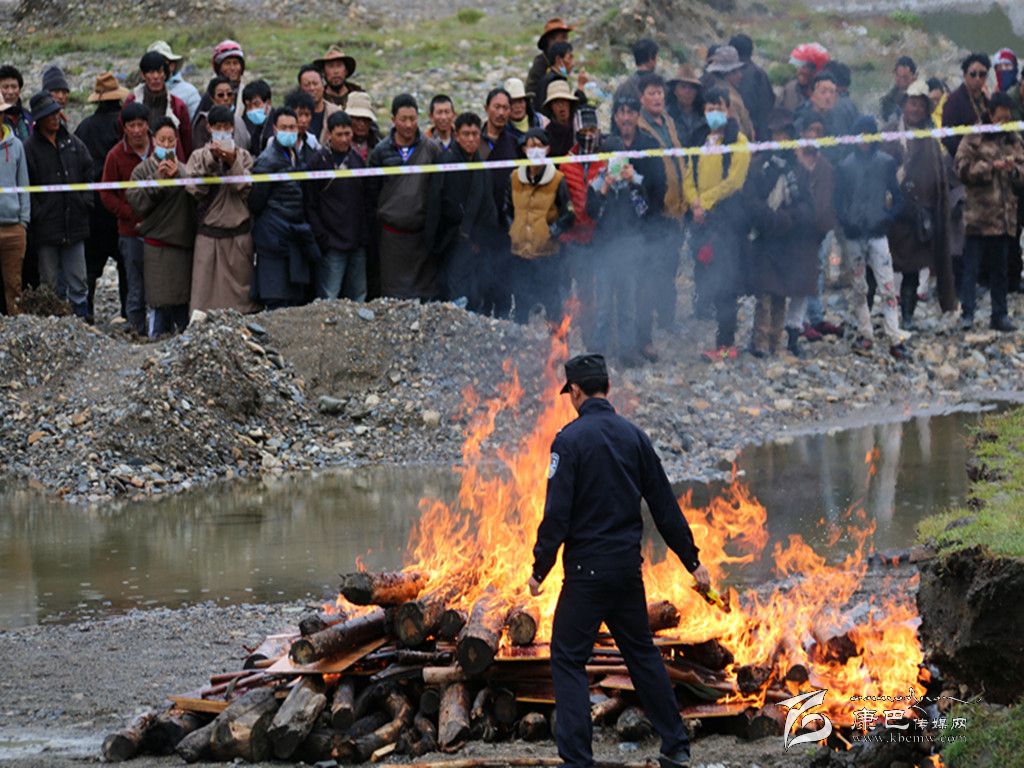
[978,73]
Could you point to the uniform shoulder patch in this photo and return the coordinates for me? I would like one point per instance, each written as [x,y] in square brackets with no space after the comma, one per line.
[553,466]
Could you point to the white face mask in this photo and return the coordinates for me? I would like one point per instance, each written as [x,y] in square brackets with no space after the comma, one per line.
[536,153]
[225,139]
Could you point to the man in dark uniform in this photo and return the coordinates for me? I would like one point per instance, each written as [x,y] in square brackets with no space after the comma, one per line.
[601,466]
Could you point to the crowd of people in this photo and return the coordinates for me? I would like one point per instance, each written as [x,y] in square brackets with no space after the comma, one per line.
[905,215]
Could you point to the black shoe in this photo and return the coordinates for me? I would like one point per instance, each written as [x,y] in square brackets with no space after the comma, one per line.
[1002,324]
[680,759]
[760,354]
[899,352]
[794,341]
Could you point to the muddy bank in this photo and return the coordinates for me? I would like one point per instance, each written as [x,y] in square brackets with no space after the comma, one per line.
[90,416]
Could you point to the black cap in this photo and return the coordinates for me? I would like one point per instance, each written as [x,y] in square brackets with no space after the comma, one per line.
[220,114]
[584,368]
[42,105]
[535,133]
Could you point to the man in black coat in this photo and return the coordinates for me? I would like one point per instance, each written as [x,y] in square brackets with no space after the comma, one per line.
[601,466]
[100,131]
[60,220]
[462,220]
[755,87]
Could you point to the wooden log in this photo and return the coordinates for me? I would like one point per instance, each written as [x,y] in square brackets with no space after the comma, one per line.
[633,725]
[312,623]
[478,642]
[241,729]
[398,706]
[344,751]
[607,709]
[834,642]
[317,746]
[443,675]
[416,620]
[662,615]
[340,638]
[430,701]
[295,719]
[532,727]
[424,725]
[272,648]
[168,729]
[451,623]
[386,589]
[481,704]
[710,654]
[764,722]
[504,706]
[750,678]
[343,708]
[124,745]
[453,719]
[196,746]
[383,752]
[521,624]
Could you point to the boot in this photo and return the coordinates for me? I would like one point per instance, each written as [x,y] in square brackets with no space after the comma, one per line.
[794,342]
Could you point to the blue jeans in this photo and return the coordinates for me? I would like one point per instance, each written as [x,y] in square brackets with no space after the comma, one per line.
[135,302]
[62,267]
[342,274]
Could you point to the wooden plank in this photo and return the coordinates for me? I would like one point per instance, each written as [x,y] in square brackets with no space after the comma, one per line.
[616,683]
[193,704]
[285,666]
[706,711]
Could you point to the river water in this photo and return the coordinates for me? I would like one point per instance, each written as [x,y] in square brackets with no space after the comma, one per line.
[288,539]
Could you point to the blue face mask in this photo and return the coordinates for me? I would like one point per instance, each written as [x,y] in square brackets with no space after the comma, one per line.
[287,139]
[162,153]
[256,116]
[563,71]
[716,120]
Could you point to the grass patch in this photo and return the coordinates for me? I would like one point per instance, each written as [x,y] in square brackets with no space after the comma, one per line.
[470,15]
[907,18]
[999,487]
[994,737]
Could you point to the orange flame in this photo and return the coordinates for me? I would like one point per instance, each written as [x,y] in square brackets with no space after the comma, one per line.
[485,542]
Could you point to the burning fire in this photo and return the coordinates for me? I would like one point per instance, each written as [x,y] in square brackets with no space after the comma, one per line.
[485,542]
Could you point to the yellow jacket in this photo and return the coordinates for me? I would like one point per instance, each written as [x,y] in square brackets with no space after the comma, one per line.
[712,187]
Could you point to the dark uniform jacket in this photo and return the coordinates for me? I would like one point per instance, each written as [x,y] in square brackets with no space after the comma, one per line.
[601,466]
[59,218]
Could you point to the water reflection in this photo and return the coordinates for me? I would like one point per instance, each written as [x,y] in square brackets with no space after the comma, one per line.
[289,538]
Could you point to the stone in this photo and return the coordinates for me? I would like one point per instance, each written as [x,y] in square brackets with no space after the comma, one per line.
[371,401]
[783,404]
[198,317]
[431,419]
[35,437]
[947,374]
[330,405]
[365,314]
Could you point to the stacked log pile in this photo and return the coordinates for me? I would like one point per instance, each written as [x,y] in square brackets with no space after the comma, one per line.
[412,675]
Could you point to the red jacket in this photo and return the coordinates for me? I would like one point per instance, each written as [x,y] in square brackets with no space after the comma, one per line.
[582,231]
[120,162]
[177,109]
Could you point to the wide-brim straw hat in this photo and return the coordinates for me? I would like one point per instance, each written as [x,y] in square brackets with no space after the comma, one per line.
[553,25]
[685,74]
[516,89]
[107,88]
[359,105]
[559,89]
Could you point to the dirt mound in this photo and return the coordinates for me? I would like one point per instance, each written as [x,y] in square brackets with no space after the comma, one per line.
[969,626]
[666,21]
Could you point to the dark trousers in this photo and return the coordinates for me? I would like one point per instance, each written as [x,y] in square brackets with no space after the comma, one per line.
[617,598]
[538,281]
[166,320]
[908,294]
[992,252]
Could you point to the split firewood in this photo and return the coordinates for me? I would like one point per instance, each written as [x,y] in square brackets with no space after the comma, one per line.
[343,706]
[386,589]
[241,729]
[479,639]
[710,654]
[416,620]
[382,752]
[430,701]
[451,623]
[167,730]
[750,678]
[343,750]
[633,725]
[339,638]
[769,720]
[504,706]
[295,719]
[662,615]
[453,719]
[532,727]
[521,624]
[312,623]
[607,709]
[196,746]
[443,675]
[398,706]
[124,745]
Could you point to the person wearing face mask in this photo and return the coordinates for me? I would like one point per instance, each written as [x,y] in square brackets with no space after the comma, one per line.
[220,90]
[286,249]
[968,104]
[222,257]
[121,161]
[153,92]
[256,97]
[718,227]
[555,31]
[562,66]
[1005,65]
[578,240]
[168,230]
[538,209]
